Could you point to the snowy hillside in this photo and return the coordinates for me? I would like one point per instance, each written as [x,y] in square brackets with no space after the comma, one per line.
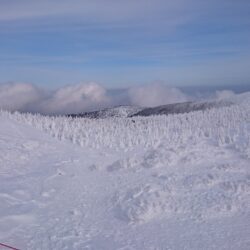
[163,182]
[181,108]
[174,108]
[120,111]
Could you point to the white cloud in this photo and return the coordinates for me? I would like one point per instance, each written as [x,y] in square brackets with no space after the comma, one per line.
[224,94]
[155,95]
[98,10]
[83,97]
[19,96]
[76,99]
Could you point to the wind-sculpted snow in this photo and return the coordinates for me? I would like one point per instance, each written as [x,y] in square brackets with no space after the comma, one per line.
[161,182]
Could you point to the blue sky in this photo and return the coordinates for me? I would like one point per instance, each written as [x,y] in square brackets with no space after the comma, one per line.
[120,43]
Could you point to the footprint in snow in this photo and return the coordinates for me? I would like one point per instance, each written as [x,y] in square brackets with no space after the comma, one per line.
[144,203]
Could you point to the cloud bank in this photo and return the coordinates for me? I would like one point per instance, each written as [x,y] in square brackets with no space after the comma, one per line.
[83,97]
[154,95]
[19,96]
[224,94]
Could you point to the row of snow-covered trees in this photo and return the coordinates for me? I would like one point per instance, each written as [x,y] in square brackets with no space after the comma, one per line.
[224,126]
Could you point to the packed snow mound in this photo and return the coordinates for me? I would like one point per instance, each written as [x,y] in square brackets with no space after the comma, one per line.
[126,183]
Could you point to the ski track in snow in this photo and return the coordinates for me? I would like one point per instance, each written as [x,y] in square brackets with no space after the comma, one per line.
[177,182]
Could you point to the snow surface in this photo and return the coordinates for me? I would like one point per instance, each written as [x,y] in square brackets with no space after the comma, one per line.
[166,182]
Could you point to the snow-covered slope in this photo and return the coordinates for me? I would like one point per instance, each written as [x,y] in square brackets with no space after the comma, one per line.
[181,108]
[174,108]
[166,182]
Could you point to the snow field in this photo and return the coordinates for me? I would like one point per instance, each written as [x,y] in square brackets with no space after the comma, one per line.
[176,182]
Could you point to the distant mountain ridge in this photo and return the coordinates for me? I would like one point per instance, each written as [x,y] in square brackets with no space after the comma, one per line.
[132,111]
[180,108]
[119,111]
